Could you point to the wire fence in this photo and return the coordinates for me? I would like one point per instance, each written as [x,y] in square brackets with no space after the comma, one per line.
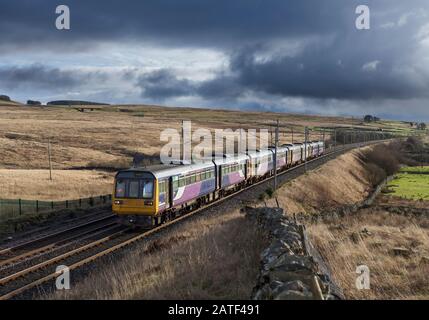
[19,207]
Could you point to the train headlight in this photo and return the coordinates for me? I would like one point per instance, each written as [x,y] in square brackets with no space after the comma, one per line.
[118,202]
[148,203]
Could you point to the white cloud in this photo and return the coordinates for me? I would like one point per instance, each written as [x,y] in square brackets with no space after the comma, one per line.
[371,66]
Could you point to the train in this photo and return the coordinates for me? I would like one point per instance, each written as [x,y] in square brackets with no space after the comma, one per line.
[150,196]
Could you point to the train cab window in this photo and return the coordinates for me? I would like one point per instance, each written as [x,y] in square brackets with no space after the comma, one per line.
[120,189]
[133,189]
[147,189]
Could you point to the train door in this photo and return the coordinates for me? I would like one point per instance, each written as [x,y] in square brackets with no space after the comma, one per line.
[172,186]
[167,193]
[220,176]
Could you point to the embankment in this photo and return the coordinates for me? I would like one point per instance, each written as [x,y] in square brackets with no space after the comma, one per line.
[344,181]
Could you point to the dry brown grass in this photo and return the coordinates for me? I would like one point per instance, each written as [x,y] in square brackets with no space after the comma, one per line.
[343,181]
[107,138]
[339,182]
[368,238]
[215,257]
[65,184]
[110,135]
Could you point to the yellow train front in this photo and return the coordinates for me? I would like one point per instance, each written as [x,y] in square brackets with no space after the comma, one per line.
[135,197]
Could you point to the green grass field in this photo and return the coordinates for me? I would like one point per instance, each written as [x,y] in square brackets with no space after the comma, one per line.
[411,183]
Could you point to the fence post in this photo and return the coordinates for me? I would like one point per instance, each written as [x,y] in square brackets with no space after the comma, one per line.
[67,204]
[20,206]
[52,205]
[37,206]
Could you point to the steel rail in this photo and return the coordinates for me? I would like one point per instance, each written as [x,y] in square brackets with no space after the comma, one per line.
[57,244]
[55,234]
[63,256]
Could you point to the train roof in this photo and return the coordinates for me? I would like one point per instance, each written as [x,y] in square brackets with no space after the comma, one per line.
[231,158]
[279,149]
[259,153]
[291,146]
[162,171]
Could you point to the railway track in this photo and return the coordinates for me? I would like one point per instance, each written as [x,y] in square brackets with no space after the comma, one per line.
[51,237]
[16,282]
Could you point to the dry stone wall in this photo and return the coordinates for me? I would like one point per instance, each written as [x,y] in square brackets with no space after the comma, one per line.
[291,269]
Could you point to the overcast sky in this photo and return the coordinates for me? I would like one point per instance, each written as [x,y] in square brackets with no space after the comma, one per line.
[277,55]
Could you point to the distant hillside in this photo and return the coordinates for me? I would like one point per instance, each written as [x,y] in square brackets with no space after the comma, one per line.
[4,97]
[6,101]
[74,103]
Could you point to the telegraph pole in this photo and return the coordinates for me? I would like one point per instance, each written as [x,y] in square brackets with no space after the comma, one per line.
[335,137]
[275,155]
[49,157]
[305,148]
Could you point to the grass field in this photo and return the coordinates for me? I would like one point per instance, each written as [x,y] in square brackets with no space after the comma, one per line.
[107,138]
[411,183]
[394,247]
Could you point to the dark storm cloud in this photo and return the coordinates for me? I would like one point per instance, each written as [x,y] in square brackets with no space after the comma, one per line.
[187,22]
[334,60]
[315,73]
[163,84]
[43,77]
[321,73]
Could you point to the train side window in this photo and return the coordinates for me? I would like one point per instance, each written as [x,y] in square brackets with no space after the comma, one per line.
[193,178]
[181,182]
[133,189]
[147,190]
[120,188]
[162,187]
[188,180]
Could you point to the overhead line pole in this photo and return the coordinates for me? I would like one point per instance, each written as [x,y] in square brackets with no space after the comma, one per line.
[275,155]
[49,157]
[305,148]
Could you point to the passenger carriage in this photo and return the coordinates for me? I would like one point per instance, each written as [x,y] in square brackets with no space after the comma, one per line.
[142,195]
[261,163]
[231,171]
[282,157]
[295,153]
[314,149]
